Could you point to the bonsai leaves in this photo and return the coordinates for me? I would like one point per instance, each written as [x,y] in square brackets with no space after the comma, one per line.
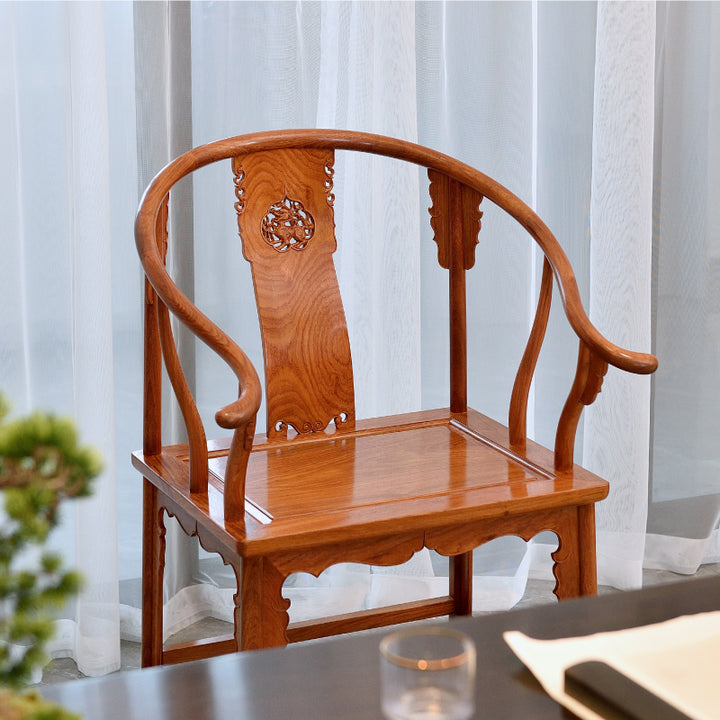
[41,463]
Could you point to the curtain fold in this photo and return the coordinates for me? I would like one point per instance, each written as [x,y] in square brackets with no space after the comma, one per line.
[616,431]
[685,484]
[602,115]
[97,640]
[57,309]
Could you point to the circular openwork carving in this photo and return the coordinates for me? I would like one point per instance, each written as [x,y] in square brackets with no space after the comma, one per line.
[288,224]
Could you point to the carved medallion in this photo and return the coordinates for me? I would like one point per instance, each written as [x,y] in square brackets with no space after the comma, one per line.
[287,225]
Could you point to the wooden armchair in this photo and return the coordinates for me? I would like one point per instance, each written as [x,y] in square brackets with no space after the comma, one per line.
[322,487]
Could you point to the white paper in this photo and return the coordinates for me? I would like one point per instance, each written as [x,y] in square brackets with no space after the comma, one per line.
[678,660]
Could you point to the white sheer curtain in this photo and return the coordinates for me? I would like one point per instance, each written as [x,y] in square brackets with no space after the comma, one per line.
[603,116]
[685,489]
[56,288]
[616,438]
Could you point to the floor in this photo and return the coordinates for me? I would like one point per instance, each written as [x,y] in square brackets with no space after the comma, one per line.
[537,592]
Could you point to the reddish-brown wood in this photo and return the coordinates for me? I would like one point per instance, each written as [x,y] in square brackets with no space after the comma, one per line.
[321,487]
[455,219]
[461,570]
[367,619]
[264,617]
[517,415]
[288,231]
[199,649]
[586,535]
[152,567]
[197,441]
[589,376]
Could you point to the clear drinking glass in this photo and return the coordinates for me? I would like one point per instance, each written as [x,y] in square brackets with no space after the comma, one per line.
[427,673]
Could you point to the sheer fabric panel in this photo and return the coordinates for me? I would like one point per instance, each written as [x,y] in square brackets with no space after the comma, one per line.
[685,490]
[616,431]
[57,335]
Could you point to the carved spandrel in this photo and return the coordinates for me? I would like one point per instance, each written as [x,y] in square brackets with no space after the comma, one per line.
[587,384]
[447,194]
[597,369]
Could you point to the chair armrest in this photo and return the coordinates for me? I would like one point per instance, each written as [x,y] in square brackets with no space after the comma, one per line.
[622,358]
[244,409]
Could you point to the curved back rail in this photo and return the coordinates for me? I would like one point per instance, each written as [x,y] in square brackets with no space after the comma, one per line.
[456,191]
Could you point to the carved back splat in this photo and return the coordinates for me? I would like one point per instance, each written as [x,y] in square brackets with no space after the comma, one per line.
[286,222]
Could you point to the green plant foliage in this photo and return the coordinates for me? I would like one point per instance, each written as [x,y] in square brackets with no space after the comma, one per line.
[41,464]
[30,706]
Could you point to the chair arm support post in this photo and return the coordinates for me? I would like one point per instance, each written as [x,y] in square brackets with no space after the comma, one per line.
[197,441]
[237,462]
[152,377]
[588,381]
[517,419]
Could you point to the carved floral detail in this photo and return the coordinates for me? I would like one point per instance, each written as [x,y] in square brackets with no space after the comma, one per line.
[329,180]
[279,430]
[287,225]
[238,179]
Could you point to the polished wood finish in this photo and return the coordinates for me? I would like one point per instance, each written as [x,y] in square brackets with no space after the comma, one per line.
[340,677]
[308,383]
[517,415]
[321,486]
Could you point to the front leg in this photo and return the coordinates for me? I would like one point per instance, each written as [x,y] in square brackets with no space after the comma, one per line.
[153,560]
[263,612]
[567,557]
[587,550]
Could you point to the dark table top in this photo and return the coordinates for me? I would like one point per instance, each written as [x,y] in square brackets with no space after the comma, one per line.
[339,677]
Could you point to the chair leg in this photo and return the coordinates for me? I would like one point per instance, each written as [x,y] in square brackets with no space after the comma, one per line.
[263,612]
[588,552]
[461,574]
[575,567]
[153,562]
[237,567]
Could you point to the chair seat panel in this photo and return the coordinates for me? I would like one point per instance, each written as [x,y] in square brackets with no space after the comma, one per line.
[432,472]
[411,479]
[430,462]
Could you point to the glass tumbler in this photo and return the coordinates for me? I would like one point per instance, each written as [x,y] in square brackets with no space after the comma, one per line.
[427,673]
